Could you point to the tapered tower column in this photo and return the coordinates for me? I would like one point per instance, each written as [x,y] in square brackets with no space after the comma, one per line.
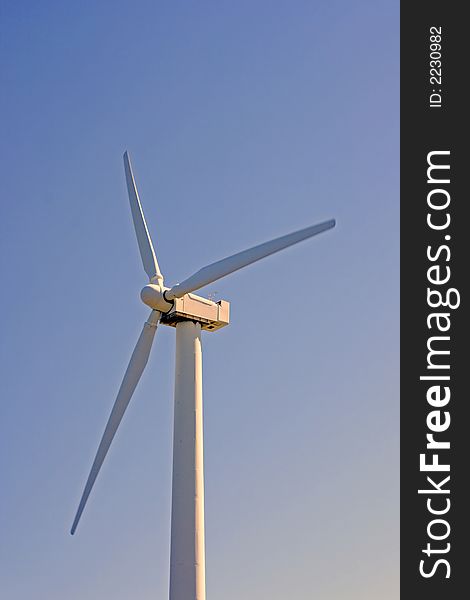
[187,559]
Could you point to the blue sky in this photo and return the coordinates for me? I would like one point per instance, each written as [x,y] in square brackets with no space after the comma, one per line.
[244,121]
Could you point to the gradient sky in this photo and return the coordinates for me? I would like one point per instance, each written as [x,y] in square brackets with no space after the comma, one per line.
[245,120]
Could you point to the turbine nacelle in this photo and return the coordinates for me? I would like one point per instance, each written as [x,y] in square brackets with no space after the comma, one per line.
[209,314]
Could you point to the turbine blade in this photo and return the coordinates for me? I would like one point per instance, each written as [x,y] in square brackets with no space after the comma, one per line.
[147,252]
[132,376]
[228,265]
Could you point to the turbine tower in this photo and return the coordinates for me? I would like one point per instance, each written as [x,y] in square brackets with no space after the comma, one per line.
[190,314]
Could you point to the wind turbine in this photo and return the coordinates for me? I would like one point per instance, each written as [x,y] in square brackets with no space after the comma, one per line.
[178,307]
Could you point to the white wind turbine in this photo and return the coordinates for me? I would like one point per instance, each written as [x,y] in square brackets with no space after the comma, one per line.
[189,314]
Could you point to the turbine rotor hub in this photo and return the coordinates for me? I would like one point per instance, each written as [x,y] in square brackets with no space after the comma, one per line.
[152,296]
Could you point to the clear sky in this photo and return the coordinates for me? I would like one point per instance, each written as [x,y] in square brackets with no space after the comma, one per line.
[244,120]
